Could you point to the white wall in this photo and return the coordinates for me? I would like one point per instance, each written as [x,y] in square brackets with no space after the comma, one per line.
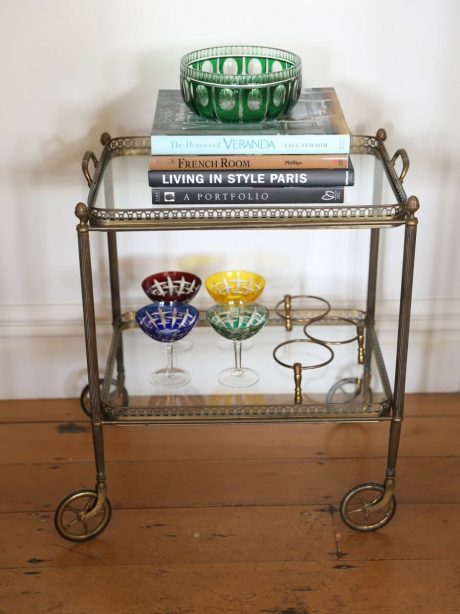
[71,70]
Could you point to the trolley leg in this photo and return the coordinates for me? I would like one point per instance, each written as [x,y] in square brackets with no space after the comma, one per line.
[116,303]
[89,319]
[116,393]
[374,245]
[370,312]
[368,507]
[113,269]
[405,305]
[403,334]
[372,276]
[84,514]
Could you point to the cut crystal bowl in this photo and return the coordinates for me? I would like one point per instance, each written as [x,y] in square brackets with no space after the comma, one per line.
[237,323]
[235,288]
[240,83]
[171,286]
[167,322]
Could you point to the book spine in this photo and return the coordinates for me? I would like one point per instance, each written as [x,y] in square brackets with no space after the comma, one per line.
[235,162]
[315,177]
[246,196]
[165,144]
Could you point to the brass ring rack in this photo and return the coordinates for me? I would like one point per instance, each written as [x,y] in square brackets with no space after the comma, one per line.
[359,337]
[298,367]
[286,313]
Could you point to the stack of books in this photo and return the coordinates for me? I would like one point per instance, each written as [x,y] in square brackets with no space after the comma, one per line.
[300,158]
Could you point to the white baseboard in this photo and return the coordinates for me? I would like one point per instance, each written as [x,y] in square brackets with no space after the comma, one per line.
[43,354]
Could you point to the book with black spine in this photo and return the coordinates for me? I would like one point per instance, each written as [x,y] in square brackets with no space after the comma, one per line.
[267,178]
[226,196]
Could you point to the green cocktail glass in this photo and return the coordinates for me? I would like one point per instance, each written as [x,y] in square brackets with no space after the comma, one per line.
[237,324]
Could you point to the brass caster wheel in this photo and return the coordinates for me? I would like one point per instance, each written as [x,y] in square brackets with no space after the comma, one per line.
[115,398]
[360,508]
[73,520]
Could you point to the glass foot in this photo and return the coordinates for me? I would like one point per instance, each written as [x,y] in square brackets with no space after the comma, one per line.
[238,378]
[170,378]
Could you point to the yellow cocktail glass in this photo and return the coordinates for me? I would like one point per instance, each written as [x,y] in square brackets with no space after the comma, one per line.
[235,288]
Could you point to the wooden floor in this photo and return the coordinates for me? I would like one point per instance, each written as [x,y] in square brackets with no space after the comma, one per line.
[229,519]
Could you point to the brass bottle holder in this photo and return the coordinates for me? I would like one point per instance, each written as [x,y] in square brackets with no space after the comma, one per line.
[359,337]
[284,309]
[299,367]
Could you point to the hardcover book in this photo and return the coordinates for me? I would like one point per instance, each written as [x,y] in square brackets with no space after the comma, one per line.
[275,178]
[246,196]
[235,162]
[315,125]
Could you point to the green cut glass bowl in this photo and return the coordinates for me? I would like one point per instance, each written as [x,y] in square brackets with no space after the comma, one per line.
[237,323]
[240,83]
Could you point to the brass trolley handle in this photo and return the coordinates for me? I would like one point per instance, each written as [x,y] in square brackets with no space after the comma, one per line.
[89,156]
[401,153]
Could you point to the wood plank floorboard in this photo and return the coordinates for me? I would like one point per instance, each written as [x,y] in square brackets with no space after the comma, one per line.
[231,535]
[311,587]
[71,442]
[229,519]
[40,487]
[174,536]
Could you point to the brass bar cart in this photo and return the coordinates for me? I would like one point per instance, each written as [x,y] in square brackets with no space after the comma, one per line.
[362,395]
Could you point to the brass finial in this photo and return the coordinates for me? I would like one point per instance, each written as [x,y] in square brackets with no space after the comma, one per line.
[413,204]
[412,207]
[105,138]
[81,211]
[381,134]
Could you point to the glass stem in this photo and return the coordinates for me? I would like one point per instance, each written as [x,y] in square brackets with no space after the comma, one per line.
[169,356]
[237,350]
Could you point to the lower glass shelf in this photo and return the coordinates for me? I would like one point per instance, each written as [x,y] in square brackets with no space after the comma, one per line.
[352,387]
